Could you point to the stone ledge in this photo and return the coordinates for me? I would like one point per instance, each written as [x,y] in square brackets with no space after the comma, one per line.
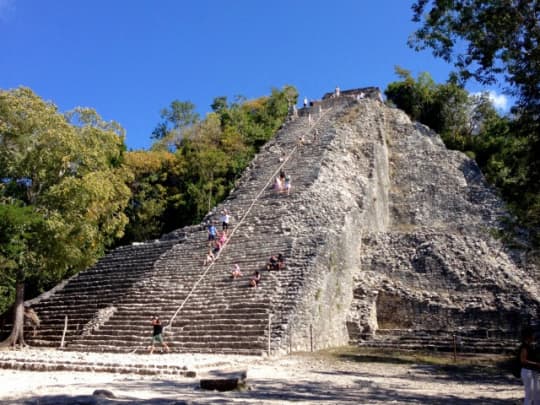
[98,368]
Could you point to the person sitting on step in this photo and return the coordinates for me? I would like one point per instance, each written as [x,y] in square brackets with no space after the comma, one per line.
[288,184]
[280,262]
[209,258]
[216,247]
[235,273]
[278,185]
[272,263]
[255,280]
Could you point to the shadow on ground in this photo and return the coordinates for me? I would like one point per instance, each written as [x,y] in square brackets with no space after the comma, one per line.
[358,389]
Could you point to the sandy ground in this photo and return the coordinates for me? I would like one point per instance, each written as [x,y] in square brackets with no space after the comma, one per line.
[299,379]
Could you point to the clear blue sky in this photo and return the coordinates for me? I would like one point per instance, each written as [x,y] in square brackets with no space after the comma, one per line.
[129,59]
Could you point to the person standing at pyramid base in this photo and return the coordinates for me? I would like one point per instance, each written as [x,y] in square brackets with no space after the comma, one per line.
[157,335]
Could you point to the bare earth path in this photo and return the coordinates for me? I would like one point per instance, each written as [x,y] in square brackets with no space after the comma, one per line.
[300,379]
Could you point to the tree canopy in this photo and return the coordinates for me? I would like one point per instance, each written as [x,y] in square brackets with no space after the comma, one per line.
[485,39]
[178,117]
[62,189]
[446,108]
[495,41]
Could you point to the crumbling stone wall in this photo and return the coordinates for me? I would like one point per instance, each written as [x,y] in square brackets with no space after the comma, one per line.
[437,264]
[351,191]
[320,317]
[410,240]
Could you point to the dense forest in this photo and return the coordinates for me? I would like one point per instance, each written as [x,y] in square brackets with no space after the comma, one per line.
[70,189]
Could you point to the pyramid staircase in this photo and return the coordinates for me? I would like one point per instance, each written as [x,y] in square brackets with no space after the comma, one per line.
[463,342]
[91,290]
[206,310]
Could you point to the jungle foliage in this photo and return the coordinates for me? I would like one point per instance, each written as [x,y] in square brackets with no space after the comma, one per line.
[62,191]
[495,42]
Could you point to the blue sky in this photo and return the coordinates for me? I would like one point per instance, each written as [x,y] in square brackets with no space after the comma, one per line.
[129,59]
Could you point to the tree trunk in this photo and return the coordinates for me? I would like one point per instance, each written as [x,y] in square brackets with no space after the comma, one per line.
[17,333]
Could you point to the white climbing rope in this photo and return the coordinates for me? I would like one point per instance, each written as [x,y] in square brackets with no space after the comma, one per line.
[239,223]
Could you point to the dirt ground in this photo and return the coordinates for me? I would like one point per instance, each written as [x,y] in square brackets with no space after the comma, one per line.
[320,378]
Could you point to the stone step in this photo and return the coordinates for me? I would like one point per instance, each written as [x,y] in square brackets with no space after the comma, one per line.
[142,369]
[183,338]
[143,349]
[439,347]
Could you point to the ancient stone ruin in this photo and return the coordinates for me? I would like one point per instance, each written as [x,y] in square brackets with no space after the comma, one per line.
[388,238]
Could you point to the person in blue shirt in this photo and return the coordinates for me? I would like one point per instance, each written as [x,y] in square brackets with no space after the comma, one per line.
[212,232]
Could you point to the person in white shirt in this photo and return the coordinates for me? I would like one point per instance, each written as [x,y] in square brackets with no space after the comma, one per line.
[225,218]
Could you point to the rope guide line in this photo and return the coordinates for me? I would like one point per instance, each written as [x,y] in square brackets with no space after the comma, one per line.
[248,211]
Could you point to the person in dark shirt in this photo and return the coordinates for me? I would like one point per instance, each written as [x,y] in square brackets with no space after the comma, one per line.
[272,263]
[157,335]
[529,368]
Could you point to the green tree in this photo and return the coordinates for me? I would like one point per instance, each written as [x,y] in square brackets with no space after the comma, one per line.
[256,120]
[412,96]
[491,41]
[19,227]
[446,108]
[154,191]
[484,39]
[209,163]
[178,117]
[67,170]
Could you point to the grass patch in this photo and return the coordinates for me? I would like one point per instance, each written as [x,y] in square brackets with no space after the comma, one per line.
[486,363]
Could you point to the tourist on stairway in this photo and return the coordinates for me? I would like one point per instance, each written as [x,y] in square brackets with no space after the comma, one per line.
[282,176]
[235,273]
[272,263]
[288,184]
[216,247]
[212,232]
[255,280]
[278,185]
[157,335]
[209,258]
[225,218]
[276,262]
[281,262]
[223,238]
